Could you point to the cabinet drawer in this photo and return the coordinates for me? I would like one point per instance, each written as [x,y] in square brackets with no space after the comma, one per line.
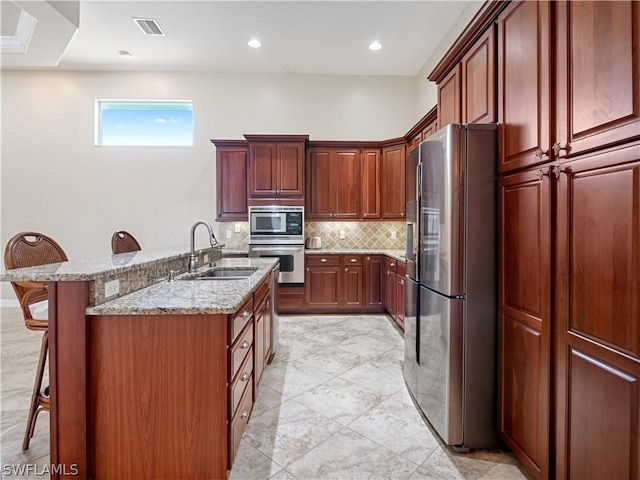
[401,268]
[349,260]
[240,319]
[240,420]
[237,387]
[239,350]
[390,264]
[323,260]
[261,292]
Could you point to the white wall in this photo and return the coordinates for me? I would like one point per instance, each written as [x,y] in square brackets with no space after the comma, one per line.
[54,180]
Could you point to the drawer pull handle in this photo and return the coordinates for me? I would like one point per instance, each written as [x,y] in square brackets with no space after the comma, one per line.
[244,377]
[244,345]
[353,260]
[244,415]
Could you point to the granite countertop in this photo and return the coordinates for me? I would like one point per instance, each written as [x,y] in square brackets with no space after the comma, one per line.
[188,297]
[397,254]
[90,269]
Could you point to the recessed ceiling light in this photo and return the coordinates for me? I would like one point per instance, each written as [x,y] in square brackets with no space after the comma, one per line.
[255,43]
[375,45]
[124,53]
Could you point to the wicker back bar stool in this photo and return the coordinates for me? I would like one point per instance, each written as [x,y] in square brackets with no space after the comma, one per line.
[28,249]
[123,242]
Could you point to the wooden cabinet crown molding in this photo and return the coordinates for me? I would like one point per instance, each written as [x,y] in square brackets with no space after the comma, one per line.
[276,138]
[429,117]
[482,20]
[229,143]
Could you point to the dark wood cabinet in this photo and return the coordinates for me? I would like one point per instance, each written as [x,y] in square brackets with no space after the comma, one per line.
[276,167]
[449,98]
[597,75]
[395,289]
[349,283]
[323,281]
[231,180]
[262,332]
[333,184]
[374,281]
[371,183]
[352,281]
[598,316]
[478,69]
[524,56]
[392,181]
[524,322]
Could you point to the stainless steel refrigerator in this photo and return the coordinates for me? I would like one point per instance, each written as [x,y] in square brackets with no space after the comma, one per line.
[451,284]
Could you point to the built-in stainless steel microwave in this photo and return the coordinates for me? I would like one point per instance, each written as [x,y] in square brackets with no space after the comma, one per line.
[276,225]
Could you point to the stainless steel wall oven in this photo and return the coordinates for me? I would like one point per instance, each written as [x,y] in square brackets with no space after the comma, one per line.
[278,231]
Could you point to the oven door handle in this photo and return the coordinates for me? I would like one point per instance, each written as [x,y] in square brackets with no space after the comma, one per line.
[277,249]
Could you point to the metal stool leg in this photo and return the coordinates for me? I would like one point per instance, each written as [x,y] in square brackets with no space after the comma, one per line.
[35,407]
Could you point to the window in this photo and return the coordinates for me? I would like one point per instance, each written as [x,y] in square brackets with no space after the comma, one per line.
[144,123]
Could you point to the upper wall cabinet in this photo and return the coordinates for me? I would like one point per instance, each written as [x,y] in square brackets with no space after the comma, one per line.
[276,167]
[449,98]
[231,180]
[371,183]
[597,75]
[479,80]
[333,183]
[392,181]
[524,57]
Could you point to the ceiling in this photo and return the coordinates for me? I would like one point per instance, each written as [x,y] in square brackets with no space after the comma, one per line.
[307,37]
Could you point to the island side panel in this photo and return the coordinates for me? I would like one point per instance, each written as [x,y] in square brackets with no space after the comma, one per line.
[68,377]
[157,390]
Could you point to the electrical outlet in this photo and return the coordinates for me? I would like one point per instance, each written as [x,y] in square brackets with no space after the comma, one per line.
[111,288]
[393,235]
[228,233]
[236,227]
[343,234]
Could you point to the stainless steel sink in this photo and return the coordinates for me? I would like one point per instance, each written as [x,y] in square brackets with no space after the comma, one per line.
[223,274]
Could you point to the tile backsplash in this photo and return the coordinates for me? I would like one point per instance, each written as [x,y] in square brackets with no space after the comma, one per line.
[357,235]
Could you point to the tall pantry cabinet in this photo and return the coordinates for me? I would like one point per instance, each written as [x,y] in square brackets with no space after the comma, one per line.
[569,114]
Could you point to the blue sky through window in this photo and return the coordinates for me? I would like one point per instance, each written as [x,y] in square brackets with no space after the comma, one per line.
[137,123]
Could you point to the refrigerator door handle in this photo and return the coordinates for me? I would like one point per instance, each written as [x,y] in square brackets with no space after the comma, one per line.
[418,227]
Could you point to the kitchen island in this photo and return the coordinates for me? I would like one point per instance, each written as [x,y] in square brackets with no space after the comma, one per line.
[158,379]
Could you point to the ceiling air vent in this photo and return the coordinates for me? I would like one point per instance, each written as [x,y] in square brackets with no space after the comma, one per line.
[149,26]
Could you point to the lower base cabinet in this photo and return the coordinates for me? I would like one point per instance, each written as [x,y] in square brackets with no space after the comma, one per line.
[395,290]
[344,283]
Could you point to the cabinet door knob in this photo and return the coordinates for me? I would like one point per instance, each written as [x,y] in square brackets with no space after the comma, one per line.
[323,260]
[244,345]
[346,269]
[244,415]
[540,152]
[368,258]
[392,264]
[353,260]
[246,315]
[244,377]
[307,269]
[557,148]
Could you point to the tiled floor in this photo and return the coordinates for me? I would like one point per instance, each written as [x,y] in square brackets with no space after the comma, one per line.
[332,405]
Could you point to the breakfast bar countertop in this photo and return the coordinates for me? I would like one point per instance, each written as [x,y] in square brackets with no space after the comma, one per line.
[92,268]
[189,297]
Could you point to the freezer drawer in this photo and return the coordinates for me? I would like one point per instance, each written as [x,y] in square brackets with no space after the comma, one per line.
[440,371]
